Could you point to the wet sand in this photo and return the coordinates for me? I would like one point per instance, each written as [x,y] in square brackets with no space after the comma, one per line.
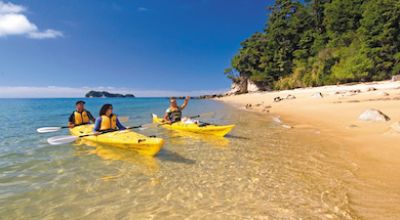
[373,147]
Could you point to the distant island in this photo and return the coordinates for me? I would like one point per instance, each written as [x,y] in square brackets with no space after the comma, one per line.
[104,94]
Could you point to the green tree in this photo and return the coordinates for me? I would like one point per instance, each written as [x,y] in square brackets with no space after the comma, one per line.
[380,32]
[321,42]
[342,19]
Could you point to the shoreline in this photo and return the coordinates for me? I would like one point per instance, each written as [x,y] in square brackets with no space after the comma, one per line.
[334,111]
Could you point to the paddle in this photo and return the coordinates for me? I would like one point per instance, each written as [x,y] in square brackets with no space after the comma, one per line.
[54,129]
[192,117]
[65,139]
[50,129]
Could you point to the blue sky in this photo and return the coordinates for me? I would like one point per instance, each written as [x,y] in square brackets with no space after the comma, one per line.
[141,46]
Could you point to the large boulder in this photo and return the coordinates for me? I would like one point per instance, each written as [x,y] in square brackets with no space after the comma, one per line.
[373,115]
[257,86]
[317,95]
[252,87]
[235,89]
[396,78]
[245,85]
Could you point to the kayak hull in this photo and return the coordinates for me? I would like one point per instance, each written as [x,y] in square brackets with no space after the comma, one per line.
[125,139]
[216,130]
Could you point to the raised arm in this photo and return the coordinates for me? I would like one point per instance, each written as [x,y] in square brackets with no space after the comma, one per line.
[185,103]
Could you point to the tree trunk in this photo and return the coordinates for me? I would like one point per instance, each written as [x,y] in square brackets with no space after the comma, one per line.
[242,83]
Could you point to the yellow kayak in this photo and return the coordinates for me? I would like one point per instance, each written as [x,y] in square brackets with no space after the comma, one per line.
[217,130]
[123,139]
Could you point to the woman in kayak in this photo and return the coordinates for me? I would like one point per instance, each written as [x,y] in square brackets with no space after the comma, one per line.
[174,112]
[107,120]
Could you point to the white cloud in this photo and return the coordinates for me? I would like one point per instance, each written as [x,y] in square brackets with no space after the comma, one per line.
[142,9]
[9,7]
[49,33]
[67,92]
[14,22]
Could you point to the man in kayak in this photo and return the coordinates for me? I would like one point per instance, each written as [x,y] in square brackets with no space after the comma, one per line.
[80,116]
[174,112]
[107,120]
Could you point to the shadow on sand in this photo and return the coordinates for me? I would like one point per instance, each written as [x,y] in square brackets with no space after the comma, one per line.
[236,137]
[167,155]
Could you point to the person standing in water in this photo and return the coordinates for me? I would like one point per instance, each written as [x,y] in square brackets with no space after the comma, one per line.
[80,116]
[107,120]
[174,112]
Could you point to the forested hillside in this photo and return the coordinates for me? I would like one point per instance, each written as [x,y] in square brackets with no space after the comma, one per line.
[321,42]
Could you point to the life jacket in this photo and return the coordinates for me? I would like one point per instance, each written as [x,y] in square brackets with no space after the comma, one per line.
[175,115]
[108,123]
[81,118]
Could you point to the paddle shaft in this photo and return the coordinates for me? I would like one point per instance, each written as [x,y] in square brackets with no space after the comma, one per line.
[109,131]
[191,117]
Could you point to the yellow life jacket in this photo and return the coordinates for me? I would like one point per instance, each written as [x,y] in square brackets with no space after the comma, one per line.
[108,123]
[81,118]
[174,114]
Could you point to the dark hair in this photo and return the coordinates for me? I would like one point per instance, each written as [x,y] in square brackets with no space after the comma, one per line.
[80,102]
[104,109]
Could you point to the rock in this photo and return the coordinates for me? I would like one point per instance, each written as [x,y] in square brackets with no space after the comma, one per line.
[104,94]
[242,85]
[396,78]
[373,115]
[277,120]
[257,86]
[265,110]
[396,127]
[352,92]
[235,89]
[317,95]
[277,99]
[252,87]
[287,126]
[290,97]
[352,126]
[382,93]
[209,96]
[370,89]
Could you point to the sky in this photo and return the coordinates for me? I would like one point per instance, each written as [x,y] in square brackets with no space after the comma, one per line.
[147,47]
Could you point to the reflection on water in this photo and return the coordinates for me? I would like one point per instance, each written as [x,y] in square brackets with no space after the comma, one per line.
[260,171]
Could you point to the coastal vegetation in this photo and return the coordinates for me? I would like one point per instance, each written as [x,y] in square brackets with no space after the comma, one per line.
[321,42]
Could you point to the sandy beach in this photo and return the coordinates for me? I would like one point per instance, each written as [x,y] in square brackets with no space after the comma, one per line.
[334,111]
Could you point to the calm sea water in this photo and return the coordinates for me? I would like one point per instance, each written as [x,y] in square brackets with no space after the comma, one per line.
[260,171]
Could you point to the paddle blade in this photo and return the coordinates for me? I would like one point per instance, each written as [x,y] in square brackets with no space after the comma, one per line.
[59,140]
[48,129]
